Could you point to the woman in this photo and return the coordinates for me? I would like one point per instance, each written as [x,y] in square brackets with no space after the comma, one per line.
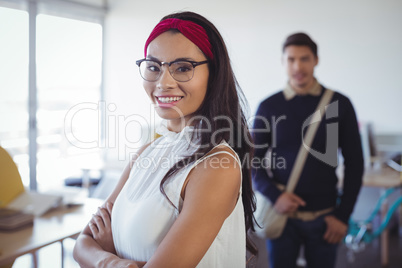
[193,208]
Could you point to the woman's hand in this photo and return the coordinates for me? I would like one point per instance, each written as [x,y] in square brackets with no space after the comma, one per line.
[101,228]
[116,262]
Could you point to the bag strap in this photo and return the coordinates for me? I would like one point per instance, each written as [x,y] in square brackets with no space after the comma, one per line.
[308,140]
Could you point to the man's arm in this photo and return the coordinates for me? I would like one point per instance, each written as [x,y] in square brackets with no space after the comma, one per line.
[350,144]
[284,202]
[262,134]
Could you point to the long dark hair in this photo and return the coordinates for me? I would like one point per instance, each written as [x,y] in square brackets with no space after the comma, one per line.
[225,100]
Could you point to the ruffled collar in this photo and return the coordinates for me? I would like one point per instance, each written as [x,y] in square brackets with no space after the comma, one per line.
[186,133]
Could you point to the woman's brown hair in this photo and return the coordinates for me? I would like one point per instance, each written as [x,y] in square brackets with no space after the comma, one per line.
[225,100]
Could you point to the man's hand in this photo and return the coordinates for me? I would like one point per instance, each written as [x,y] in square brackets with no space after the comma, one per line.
[288,203]
[336,230]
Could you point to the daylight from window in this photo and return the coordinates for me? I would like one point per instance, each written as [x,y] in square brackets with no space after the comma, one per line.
[68,61]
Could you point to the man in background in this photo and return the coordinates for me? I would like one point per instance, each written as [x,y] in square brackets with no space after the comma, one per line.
[318,212]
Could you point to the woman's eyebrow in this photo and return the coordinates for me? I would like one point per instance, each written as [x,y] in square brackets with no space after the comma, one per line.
[177,59]
[184,59]
[152,58]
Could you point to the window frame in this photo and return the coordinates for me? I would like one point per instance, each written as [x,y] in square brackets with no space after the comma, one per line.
[67,9]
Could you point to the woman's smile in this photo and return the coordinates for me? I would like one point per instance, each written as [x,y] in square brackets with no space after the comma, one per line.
[167,101]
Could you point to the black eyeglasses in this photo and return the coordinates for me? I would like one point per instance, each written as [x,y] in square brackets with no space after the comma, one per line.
[180,70]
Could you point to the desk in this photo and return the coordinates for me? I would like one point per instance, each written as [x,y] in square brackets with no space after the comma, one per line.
[384,178]
[54,226]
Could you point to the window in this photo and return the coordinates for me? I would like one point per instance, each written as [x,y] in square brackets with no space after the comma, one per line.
[68,74]
[69,60]
[14,87]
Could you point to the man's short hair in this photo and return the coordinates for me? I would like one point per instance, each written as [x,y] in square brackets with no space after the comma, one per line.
[300,39]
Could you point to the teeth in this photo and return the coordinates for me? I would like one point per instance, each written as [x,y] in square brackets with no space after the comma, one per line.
[168,99]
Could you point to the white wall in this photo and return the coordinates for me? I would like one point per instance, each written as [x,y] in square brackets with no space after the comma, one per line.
[360,49]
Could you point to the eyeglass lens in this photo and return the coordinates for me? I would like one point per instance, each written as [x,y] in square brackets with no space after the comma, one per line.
[181,71]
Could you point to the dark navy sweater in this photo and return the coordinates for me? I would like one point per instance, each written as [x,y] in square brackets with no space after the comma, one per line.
[317,184]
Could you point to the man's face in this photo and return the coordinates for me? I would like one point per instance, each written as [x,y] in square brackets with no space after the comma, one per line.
[299,62]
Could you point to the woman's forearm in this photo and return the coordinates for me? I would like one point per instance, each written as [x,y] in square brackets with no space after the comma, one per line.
[88,253]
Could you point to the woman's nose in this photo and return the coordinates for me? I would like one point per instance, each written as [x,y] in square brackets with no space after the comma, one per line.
[166,80]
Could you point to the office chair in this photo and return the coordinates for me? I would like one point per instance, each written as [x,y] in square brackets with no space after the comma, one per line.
[10,180]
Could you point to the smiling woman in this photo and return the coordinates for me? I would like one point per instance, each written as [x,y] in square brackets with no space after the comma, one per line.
[193,208]
[171,46]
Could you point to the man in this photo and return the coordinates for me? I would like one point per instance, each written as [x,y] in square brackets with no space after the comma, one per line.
[318,213]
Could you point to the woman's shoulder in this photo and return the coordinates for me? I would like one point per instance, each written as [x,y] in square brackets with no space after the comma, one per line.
[217,179]
[220,161]
[222,152]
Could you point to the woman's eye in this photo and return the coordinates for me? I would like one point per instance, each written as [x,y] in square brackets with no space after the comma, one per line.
[183,67]
[153,68]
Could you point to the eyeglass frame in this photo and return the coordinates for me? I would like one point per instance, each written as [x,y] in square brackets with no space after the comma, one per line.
[161,63]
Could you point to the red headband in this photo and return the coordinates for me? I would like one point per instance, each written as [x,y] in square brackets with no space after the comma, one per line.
[194,32]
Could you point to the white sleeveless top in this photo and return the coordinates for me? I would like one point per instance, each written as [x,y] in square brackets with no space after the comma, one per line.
[142,216]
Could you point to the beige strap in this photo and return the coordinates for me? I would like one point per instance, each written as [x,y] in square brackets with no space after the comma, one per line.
[309,215]
[311,131]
